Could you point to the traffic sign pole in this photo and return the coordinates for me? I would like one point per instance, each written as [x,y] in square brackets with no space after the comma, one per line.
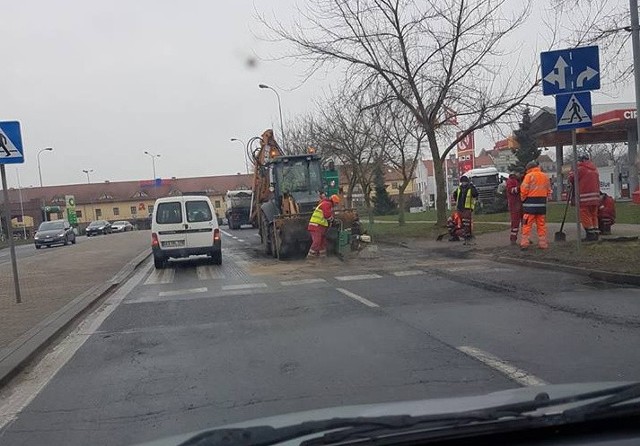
[7,221]
[576,188]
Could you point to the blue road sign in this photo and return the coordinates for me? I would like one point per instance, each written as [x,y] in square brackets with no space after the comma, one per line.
[573,110]
[10,143]
[570,70]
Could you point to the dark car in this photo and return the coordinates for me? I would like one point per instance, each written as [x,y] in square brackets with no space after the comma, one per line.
[98,227]
[56,232]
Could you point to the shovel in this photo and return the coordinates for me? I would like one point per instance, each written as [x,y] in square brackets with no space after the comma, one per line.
[561,236]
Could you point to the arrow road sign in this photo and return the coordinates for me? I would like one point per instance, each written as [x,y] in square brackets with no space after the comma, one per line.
[10,143]
[570,70]
[573,110]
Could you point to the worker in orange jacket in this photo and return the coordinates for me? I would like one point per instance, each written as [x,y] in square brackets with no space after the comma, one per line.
[534,190]
[589,184]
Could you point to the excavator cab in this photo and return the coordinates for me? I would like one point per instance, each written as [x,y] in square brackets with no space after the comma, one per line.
[297,182]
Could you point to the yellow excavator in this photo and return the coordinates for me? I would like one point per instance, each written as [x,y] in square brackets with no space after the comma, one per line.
[286,190]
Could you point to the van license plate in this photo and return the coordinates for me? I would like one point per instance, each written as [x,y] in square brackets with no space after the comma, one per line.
[173,244]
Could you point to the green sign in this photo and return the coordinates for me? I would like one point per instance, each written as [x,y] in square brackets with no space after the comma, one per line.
[72,218]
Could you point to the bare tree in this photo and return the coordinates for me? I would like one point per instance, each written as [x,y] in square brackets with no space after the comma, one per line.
[430,55]
[404,138]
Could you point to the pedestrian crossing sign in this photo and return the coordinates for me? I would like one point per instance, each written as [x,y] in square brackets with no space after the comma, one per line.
[573,110]
[10,143]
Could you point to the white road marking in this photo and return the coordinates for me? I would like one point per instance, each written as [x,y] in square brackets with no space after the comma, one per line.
[15,397]
[358,277]
[207,272]
[226,233]
[182,292]
[244,286]
[302,282]
[408,273]
[158,276]
[468,268]
[520,376]
[360,299]
[240,240]
[256,235]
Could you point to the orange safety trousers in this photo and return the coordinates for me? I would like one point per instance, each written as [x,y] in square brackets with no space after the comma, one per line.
[589,216]
[528,220]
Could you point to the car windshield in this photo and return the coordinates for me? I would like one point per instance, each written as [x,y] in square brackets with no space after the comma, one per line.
[223,211]
[51,226]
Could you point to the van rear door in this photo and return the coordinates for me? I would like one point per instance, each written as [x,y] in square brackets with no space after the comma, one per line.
[171,228]
[199,223]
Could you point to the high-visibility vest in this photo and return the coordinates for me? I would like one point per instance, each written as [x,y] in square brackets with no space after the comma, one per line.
[317,217]
[534,190]
[469,202]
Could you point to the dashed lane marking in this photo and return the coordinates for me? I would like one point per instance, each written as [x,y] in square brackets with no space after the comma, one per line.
[159,276]
[240,240]
[226,233]
[520,376]
[182,292]
[358,277]
[360,299]
[408,273]
[302,282]
[244,286]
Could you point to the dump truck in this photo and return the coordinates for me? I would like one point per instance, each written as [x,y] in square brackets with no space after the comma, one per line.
[238,204]
[487,180]
[286,190]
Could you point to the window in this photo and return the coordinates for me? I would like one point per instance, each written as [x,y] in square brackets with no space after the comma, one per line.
[134,210]
[150,209]
[198,211]
[98,213]
[79,214]
[116,211]
[170,212]
[217,203]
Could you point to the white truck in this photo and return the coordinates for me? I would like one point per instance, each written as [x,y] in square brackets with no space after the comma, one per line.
[488,180]
[238,204]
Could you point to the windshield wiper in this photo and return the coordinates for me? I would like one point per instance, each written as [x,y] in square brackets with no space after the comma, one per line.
[341,429]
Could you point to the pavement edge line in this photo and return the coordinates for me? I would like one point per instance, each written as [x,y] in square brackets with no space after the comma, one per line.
[18,353]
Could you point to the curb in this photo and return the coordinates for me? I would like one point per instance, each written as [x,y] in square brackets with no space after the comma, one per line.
[606,276]
[14,357]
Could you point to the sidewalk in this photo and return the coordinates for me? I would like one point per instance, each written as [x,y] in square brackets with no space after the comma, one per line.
[55,276]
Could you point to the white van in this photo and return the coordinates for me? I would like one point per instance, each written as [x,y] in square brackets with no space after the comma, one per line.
[183,226]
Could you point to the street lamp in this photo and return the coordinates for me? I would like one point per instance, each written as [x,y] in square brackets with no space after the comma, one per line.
[48,149]
[246,162]
[153,160]
[279,110]
[87,172]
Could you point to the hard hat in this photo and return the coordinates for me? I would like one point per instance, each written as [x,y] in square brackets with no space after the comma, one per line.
[464,178]
[335,199]
[532,164]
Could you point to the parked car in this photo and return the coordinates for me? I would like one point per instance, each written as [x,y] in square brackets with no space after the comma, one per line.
[184,226]
[55,232]
[98,227]
[121,226]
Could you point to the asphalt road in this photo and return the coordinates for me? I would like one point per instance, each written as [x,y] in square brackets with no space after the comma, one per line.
[196,345]
[29,250]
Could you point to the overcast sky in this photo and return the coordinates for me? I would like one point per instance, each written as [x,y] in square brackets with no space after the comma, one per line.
[103,81]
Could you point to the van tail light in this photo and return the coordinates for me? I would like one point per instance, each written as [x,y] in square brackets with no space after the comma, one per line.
[216,235]
[154,239]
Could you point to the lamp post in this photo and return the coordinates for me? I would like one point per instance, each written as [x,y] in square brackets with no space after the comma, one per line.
[24,225]
[279,110]
[87,172]
[246,162]
[153,161]
[48,149]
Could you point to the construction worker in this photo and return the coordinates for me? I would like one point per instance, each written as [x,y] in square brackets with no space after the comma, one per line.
[318,225]
[515,204]
[534,190]
[465,196]
[589,184]
[606,213]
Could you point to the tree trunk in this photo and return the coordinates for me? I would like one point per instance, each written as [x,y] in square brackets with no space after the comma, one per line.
[401,196]
[439,174]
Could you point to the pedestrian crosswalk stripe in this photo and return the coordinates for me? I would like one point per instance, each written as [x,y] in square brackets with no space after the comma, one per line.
[407,273]
[208,272]
[358,277]
[182,292]
[302,282]
[159,276]
[467,268]
[244,286]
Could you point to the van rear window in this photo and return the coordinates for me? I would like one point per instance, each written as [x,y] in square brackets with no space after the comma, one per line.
[168,213]
[198,211]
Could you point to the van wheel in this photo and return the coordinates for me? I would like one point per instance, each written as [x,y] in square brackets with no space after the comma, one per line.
[216,257]
[159,262]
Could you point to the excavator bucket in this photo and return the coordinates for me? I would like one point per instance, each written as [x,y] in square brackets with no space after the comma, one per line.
[291,236]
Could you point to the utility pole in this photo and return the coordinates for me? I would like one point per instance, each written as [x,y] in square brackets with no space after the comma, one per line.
[635,43]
